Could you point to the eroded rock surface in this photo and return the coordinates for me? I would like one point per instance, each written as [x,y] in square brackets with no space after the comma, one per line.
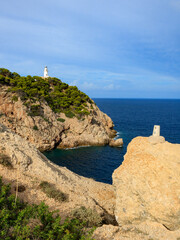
[27,160]
[48,131]
[143,231]
[148,184]
[116,143]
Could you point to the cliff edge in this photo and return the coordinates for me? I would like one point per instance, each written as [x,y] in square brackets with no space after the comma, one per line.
[148,184]
[147,193]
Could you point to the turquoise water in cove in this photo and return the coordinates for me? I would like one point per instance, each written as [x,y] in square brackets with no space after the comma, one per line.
[132,117]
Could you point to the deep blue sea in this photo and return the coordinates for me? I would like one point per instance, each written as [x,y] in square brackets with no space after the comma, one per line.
[132,117]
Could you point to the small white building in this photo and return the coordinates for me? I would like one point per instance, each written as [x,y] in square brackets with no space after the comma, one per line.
[46,72]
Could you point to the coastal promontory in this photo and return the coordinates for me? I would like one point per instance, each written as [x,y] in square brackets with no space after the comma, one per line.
[50,113]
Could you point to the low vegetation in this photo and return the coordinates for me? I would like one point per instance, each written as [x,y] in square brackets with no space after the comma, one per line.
[61,119]
[58,95]
[91,216]
[20,221]
[51,191]
[5,160]
[14,98]
[35,128]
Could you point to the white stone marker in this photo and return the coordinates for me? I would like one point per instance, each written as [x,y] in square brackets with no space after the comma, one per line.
[155,137]
[156,131]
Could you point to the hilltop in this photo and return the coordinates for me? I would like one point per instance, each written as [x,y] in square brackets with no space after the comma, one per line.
[50,113]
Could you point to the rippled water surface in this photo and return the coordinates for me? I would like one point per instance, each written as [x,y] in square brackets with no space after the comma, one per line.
[132,117]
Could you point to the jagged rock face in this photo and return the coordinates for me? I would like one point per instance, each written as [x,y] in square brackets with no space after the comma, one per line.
[47,132]
[95,129]
[82,191]
[148,184]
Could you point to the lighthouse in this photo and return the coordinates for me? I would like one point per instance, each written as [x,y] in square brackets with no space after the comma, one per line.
[46,72]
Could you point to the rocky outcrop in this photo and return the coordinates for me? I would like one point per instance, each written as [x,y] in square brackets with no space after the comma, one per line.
[54,129]
[28,161]
[147,184]
[95,129]
[156,139]
[116,143]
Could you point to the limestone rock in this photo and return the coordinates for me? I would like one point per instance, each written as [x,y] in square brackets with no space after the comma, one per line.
[82,191]
[156,139]
[92,130]
[148,184]
[47,132]
[116,143]
[143,231]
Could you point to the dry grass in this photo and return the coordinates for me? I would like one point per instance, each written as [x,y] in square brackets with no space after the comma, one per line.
[52,192]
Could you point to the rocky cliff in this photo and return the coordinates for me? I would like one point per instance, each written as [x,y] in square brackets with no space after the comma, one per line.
[148,184]
[144,197]
[49,113]
[29,163]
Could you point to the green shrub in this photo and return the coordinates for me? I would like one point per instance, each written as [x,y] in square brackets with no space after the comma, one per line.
[20,221]
[5,160]
[14,98]
[35,110]
[85,112]
[69,114]
[91,217]
[61,119]
[52,192]
[35,128]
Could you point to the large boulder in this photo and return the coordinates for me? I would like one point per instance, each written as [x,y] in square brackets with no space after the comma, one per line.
[116,142]
[147,184]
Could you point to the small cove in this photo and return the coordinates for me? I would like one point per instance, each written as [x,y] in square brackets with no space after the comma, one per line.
[132,117]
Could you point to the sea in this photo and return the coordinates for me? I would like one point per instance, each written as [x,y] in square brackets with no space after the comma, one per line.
[132,118]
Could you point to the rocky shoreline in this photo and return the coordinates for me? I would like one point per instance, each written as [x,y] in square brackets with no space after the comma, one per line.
[55,129]
[142,204]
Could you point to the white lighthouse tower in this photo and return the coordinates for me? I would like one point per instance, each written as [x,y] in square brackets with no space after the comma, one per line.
[46,72]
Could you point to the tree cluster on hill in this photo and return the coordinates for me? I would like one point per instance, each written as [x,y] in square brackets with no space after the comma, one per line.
[59,96]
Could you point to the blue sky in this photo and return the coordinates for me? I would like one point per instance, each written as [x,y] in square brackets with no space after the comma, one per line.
[117,48]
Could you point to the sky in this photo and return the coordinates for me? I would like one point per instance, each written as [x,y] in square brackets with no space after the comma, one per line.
[107,48]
